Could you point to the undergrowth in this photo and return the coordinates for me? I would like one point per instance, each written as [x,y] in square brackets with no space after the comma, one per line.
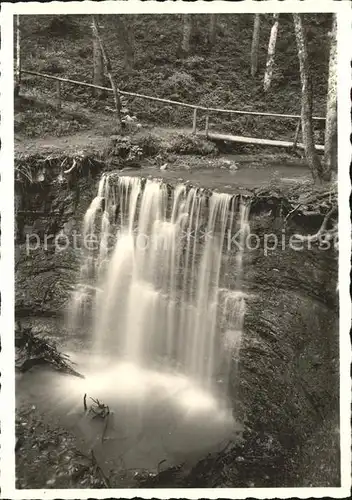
[37,120]
[220,78]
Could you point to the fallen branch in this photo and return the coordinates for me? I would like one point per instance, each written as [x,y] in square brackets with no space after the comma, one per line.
[292,211]
[100,409]
[322,230]
[161,462]
[35,350]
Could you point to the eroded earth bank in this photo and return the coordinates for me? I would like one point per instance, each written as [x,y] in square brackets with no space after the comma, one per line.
[283,377]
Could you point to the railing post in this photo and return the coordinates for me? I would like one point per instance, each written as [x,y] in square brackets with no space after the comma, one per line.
[194,129]
[58,94]
[206,125]
[298,128]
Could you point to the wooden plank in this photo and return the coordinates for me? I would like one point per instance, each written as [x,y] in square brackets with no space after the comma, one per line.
[254,140]
[168,101]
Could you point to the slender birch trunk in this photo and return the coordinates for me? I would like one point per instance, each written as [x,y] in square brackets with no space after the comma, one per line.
[307,99]
[187,33]
[126,39]
[212,30]
[271,53]
[255,45]
[18,57]
[108,71]
[330,155]
[98,66]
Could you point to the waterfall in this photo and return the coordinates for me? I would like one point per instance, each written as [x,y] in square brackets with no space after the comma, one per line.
[156,275]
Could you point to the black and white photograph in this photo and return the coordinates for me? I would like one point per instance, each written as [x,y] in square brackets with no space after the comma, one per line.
[175,250]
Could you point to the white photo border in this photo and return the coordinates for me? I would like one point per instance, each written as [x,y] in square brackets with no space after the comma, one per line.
[7,396]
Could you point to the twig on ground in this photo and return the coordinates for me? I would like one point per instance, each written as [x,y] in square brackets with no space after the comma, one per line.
[292,211]
[161,462]
[85,402]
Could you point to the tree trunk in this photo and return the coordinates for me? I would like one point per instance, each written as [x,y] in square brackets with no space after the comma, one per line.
[330,155]
[255,45]
[98,67]
[18,57]
[126,38]
[307,99]
[187,33]
[108,70]
[271,53]
[212,30]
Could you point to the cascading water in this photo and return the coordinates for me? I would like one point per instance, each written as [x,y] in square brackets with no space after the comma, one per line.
[157,275]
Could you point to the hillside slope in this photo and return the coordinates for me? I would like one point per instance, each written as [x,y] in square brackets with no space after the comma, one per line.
[62,46]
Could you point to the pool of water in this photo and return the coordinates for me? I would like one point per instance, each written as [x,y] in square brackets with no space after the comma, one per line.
[249,174]
[155,415]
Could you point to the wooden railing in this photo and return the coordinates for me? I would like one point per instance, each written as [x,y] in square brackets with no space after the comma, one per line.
[195,107]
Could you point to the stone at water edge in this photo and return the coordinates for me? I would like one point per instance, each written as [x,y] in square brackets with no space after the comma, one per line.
[231,165]
[163,167]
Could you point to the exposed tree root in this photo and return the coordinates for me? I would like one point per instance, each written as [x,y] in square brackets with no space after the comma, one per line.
[301,204]
[323,232]
[74,165]
[34,350]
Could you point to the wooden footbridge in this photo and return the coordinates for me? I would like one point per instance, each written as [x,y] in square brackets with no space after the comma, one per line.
[208,111]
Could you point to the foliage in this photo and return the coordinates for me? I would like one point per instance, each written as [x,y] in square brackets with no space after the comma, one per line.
[35,120]
[125,149]
[186,144]
[47,456]
[54,67]
[220,78]
[179,82]
[150,145]
[59,26]
[194,62]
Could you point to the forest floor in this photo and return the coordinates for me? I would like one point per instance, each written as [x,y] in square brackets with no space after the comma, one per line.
[220,78]
[41,129]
